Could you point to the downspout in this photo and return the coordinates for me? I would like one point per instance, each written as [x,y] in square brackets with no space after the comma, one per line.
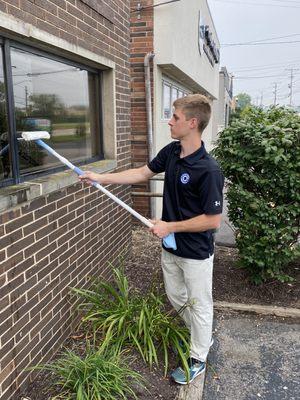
[147,59]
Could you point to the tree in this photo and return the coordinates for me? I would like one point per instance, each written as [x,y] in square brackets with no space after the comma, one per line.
[46,105]
[260,156]
[243,100]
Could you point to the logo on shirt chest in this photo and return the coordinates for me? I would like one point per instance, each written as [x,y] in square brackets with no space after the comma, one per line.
[185,178]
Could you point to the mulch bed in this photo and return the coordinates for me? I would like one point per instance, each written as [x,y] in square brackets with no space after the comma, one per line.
[142,268]
[230,283]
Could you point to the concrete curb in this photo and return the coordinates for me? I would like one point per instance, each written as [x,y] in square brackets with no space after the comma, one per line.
[287,312]
[193,391]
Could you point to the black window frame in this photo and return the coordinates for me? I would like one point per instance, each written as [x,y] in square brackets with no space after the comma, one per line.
[6,44]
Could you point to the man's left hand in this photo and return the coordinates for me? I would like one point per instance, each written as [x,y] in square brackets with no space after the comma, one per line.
[161,228]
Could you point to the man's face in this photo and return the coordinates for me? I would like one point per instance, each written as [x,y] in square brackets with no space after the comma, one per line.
[179,126]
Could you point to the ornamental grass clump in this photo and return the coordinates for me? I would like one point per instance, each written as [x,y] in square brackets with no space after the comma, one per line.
[99,375]
[127,318]
[260,156]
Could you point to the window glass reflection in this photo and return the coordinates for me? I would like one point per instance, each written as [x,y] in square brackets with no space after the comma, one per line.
[5,160]
[174,95]
[166,101]
[55,97]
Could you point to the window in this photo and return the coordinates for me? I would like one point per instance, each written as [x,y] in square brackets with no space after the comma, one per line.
[166,101]
[43,92]
[5,154]
[174,94]
[170,94]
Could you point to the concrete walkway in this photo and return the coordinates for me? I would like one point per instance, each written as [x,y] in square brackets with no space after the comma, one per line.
[225,235]
[253,357]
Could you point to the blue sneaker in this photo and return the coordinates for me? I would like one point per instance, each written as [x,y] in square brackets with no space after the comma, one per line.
[196,368]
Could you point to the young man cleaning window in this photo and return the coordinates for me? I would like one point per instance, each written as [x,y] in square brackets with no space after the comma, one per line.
[192,207]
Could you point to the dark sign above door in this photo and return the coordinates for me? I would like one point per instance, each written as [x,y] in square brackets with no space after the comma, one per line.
[206,43]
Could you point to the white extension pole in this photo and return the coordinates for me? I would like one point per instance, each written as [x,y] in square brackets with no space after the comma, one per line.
[95,184]
[169,240]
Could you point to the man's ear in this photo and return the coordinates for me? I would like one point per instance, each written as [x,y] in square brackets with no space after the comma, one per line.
[193,123]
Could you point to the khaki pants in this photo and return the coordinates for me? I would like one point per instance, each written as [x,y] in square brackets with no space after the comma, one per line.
[190,281]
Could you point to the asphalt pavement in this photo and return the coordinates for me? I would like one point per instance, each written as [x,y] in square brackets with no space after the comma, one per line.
[253,357]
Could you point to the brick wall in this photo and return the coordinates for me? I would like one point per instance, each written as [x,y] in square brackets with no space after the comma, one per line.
[141,33]
[59,240]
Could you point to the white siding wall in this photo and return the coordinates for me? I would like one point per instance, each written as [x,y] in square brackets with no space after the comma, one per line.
[177,57]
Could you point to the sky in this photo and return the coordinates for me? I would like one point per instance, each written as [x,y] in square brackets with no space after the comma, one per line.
[262,69]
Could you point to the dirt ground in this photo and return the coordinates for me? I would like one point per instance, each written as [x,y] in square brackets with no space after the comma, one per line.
[142,268]
[230,283]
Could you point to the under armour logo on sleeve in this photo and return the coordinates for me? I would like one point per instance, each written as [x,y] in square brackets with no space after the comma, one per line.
[217,203]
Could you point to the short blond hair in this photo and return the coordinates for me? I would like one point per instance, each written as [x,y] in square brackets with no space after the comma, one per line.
[195,106]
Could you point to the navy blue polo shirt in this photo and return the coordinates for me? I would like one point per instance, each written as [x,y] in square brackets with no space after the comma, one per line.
[193,186]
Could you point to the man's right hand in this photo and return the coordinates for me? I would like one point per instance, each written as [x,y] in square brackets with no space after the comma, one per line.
[89,177]
[127,177]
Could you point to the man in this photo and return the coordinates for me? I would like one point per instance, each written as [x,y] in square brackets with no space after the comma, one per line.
[192,207]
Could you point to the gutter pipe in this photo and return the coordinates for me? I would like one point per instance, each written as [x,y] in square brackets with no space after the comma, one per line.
[149,57]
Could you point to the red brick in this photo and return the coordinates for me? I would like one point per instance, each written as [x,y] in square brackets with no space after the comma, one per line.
[50,230]
[18,223]
[30,8]
[46,5]
[9,216]
[60,3]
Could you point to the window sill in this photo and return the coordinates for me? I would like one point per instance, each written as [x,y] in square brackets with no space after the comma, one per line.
[12,196]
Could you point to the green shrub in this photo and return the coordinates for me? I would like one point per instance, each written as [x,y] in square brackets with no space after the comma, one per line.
[99,375]
[81,130]
[260,156]
[127,318]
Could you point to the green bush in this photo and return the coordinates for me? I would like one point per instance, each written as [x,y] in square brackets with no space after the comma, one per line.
[99,375]
[128,318]
[81,130]
[260,156]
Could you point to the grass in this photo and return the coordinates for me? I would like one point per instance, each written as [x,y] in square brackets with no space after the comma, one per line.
[68,138]
[125,317]
[69,125]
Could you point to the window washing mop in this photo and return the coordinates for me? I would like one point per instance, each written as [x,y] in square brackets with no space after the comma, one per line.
[37,136]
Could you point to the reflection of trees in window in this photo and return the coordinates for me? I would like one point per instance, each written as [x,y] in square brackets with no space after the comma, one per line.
[3,118]
[81,130]
[43,109]
[46,106]
[30,154]
[4,151]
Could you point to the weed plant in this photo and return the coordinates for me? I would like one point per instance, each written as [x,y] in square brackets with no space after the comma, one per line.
[125,317]
[99,375]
